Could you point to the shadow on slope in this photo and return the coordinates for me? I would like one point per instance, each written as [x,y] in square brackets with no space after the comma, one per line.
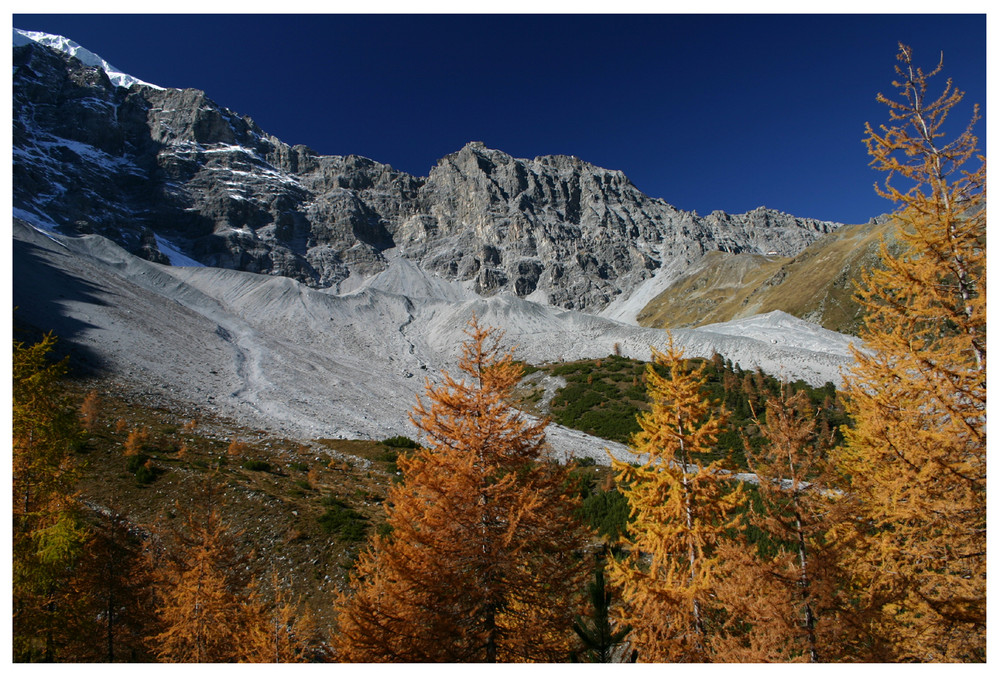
[41,293]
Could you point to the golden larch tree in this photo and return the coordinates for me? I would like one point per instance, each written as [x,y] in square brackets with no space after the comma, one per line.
[915,460]
[483,561]
[759,621]
[89,410]
[47,533]
[201,589]
[681,512]
[279,630]
[787,595]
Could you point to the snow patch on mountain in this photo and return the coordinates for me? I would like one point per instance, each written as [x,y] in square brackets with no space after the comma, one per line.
[174,254]
[36,220]
[67,46]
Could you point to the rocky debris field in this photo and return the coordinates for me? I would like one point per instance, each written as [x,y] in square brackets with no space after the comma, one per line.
[303,363]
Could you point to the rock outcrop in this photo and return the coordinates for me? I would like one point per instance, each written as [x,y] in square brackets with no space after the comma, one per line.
[138,163]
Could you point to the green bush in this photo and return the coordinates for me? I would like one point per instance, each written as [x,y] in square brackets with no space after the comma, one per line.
[254,464]
[135,462]
[401,442]
[144,475]
[606,512]
[570,369]
[340,519]
[604,401]
[526,368]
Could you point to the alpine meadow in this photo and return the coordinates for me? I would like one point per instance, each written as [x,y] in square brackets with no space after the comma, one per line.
[273,406]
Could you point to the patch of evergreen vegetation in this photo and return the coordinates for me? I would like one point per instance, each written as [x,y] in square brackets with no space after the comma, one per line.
[607,513]
[602,397]
[392,449]
[255,464]
[144,474]
[134,462]
[527,368]
[142,468]
[401,442]
[340,519]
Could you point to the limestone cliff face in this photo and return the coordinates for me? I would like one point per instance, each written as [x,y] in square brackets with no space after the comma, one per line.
[142,165]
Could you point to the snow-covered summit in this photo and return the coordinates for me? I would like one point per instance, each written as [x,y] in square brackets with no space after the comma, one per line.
[67,46]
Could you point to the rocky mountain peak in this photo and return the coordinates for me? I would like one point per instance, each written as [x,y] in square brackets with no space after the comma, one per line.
[141,164]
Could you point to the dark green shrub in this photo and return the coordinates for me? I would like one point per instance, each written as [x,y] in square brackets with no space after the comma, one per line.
[340,519]
[135,462]
[526,368]
[570,369]
[144,475]
[401,442]
[254,464]
[141,467]
[607,513]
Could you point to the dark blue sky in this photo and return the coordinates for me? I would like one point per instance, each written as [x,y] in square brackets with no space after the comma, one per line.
[707,112]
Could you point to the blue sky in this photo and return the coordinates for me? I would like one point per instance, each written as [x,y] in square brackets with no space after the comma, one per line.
[707,112]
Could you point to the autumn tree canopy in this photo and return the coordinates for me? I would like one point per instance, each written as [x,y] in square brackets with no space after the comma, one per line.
[207,608]
[915,461]
[482,564]
[47,533]
[790,601]
[682,511]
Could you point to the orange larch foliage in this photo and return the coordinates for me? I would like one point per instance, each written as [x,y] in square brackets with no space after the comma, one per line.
[200,589]
[137,440]
[89,409]
[791,604]
[915,462]
[237,448]
[280,630]
[482,564]
[760,621]
[681,511]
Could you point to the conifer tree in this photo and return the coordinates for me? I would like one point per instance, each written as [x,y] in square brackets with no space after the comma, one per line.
[600,639]
[47,533]
[682,510]
[114,578]
[89,410]
[201,591]
[760,622]
[482,564]
[915,461]
[279,630]
[796,576]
